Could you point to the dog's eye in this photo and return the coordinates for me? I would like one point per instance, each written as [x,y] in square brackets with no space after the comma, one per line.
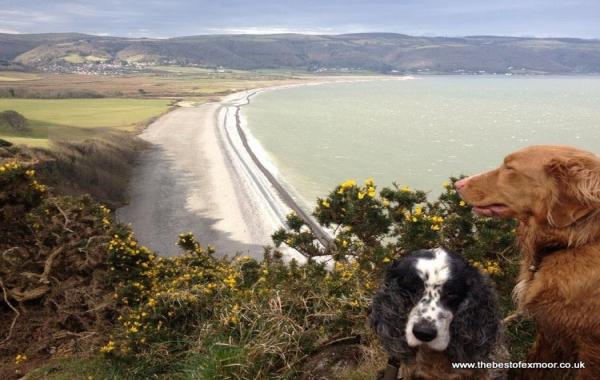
[452,299]
[452,296]
[410,283]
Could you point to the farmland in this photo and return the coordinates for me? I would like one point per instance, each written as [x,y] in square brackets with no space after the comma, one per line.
[154,82]
[73,107]
[77,119]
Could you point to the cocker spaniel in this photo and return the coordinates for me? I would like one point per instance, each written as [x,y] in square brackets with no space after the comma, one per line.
[433,310]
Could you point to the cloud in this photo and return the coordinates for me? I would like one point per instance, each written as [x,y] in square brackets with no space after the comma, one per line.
[169,18]
[9,31]
[269,30]
[19,17]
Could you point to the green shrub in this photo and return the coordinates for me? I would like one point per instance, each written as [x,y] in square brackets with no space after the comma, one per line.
[242,318]
[197,315]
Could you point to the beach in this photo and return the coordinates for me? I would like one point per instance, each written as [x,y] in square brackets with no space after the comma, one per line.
[205,173]
[200,175]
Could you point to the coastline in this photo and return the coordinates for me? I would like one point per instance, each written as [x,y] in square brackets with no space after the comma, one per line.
[322,235]
[202,175]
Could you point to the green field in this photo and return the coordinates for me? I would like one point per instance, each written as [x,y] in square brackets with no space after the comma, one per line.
[12,76]
[77,119]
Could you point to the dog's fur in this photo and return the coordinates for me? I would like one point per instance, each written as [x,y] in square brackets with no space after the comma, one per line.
[440,293]
[554,193]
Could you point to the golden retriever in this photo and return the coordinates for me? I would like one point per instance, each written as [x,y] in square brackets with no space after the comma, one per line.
[554,193]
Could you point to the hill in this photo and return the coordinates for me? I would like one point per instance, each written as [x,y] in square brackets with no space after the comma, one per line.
[380,52]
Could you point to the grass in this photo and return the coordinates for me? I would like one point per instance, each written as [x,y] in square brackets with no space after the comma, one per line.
[93,367]
[213,363]
[87,113]
[74,58]
[78,119]
[15,76]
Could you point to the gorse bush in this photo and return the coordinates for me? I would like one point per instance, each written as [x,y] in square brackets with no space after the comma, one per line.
[268,315]
[373,229]
[199,315]
[242,318]
[54,291]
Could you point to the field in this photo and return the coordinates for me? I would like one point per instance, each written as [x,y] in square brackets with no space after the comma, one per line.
[77,119]
[74,107]
[177,82]
[16,76]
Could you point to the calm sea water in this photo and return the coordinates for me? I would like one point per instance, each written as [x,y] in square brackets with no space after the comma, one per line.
[417,132]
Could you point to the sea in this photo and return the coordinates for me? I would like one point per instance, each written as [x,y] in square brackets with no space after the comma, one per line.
[416,132]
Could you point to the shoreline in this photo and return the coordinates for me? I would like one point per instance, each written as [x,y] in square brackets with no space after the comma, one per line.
[324,238]
[202,175]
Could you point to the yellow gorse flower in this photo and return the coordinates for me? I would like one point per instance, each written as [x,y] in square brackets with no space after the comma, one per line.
[10,166]
[346,185]
[20,358]
[230,281]
[109,347]
[489,266]
[371,192]
[436,219]
[38,186]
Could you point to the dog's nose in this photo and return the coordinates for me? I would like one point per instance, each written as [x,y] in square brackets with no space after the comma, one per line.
[424,331]
[460,184]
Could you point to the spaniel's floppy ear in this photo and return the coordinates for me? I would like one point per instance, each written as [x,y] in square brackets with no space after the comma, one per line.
[475,329]
[577,191]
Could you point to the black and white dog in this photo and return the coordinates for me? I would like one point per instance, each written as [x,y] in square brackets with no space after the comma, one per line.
[434,309]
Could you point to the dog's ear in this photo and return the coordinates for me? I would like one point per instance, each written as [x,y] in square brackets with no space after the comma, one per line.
[577,188]
[475,328]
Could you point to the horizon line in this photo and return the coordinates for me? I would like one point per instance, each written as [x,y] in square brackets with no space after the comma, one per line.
[300,33]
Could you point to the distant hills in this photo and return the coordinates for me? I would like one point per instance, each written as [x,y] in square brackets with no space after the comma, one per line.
[379,52]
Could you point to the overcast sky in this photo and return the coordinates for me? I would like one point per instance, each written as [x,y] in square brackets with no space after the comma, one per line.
[169,18]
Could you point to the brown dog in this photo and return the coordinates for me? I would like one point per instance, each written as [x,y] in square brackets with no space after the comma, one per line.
[554,193]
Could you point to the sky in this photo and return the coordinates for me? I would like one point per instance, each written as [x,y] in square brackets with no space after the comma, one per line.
[172,18]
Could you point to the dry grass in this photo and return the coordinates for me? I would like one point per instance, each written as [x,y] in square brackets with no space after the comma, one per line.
[100,167]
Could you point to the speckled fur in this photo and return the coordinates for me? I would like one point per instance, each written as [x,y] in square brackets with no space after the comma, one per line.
[475,328]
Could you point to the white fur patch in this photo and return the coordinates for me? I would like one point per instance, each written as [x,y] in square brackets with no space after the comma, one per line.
[434,272]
